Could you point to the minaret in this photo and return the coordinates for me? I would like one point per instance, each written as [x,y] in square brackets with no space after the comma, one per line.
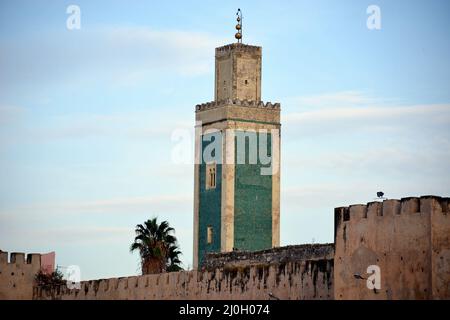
[237,149]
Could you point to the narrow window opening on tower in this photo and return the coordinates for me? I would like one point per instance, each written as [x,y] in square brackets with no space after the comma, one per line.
[211,176]
[246,82]
[209,234]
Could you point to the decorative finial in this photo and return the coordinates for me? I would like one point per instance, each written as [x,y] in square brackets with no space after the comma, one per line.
[238,34]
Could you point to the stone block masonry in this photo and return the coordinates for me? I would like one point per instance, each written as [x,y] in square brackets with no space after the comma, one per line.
[17,275]
[308,279]
[249,202]
[279,255]
[409,239]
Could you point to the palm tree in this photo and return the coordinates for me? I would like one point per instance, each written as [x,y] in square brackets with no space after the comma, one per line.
[174,260]
[157,247]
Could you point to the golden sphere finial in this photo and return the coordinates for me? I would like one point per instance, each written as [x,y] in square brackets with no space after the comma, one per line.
[238,35]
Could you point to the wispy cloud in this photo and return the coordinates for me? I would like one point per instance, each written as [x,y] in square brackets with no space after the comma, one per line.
[354,105]
[188,52]
[353,112]
[299,198]
[68,235]
[10,113]
[137,125]
[332,100]
[119,55]
[127,205]
[392,162]
[363,143]
[436,112]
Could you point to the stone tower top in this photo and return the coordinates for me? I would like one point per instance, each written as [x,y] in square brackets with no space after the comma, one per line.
[238,72]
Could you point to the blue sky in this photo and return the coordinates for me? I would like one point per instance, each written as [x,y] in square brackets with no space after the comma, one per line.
[86,116]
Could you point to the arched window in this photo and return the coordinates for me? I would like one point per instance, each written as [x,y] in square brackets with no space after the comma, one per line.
[211,176]
[209,235]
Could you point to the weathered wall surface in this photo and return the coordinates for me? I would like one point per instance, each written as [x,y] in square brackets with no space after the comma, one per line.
[238,72]
[240,184]
[293,280]
[440,244]
[408,239]
[279,255]
[17,275]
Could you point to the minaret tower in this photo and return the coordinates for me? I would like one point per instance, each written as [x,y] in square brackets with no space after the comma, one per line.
[237,150]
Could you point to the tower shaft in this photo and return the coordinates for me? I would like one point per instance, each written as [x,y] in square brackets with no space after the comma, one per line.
[237,170]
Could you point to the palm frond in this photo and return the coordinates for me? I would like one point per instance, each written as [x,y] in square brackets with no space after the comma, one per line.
[157,246]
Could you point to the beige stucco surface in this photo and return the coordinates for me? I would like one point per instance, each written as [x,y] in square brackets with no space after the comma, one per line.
[17,275]
[408,239]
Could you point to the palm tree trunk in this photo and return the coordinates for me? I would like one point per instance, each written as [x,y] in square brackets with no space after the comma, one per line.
[153,266]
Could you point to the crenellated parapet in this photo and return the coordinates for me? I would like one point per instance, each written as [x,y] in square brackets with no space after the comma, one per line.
[300,279]
[304,252]
[408,239]
[238,47]
[392,207]
[238,114]
[236,102]
[19,258]
[404,206]
[17,274]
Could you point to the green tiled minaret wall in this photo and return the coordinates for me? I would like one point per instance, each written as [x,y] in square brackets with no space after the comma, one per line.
[243,209]
[210,206]
[252,201]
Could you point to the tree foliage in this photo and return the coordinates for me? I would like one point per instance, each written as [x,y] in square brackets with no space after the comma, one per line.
[157,247]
